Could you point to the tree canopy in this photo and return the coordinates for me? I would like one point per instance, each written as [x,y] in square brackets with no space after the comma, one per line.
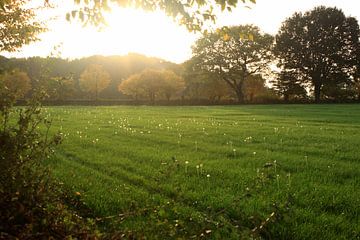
[320,48]
[13,86]
[152,84]
[234,54]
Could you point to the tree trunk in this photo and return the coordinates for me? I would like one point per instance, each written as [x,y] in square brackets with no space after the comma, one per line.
[96,91]
[251,97]
[152,98]
[317,92]
[240,96]
[286,97]
[317,81]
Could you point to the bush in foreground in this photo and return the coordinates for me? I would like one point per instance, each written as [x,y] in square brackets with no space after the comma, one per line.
[31,204]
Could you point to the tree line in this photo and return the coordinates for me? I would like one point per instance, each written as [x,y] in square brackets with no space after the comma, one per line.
[132,77]
[315,56]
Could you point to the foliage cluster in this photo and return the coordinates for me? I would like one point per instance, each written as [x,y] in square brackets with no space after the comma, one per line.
[31,202]
[18,25]
[233,57]
[94,79]
[153,84]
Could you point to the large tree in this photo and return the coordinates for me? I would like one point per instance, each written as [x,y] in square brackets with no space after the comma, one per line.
[234,54]
[319,47]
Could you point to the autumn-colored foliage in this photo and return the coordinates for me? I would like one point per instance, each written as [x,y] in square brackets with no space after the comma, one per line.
[94,79]
[152,84]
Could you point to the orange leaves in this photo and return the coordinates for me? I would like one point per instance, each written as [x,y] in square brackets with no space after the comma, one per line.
[227,34]
[94,79]
[226,37]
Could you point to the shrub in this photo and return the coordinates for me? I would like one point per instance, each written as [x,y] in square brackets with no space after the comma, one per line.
[31,203]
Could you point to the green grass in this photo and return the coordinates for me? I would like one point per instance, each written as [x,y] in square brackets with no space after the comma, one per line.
[296,165]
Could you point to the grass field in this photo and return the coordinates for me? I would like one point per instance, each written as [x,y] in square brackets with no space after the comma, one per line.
[276,171]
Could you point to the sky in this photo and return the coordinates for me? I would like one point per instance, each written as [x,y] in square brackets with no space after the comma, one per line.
[156,35]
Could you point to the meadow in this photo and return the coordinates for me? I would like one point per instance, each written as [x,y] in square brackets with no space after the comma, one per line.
[219,172]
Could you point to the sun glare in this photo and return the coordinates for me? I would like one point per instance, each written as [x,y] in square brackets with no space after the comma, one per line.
[150,33]
[129,30]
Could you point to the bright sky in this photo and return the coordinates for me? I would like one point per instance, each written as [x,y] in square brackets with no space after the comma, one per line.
[154,34]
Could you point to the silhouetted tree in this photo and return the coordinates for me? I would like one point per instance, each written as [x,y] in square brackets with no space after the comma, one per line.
[319,46]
